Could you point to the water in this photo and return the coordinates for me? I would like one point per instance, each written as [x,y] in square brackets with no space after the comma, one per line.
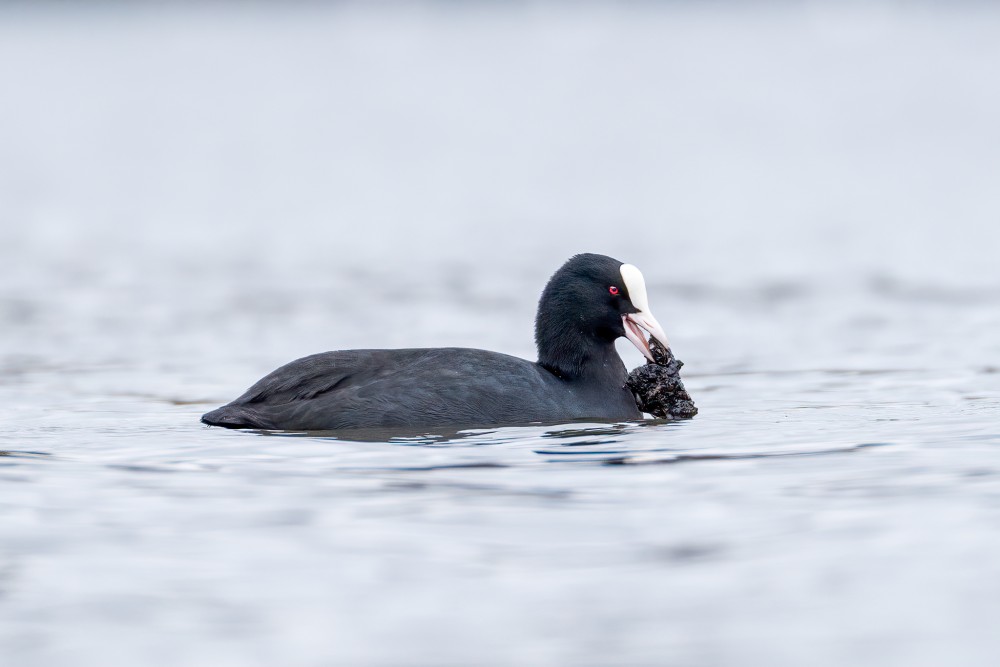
[190,197]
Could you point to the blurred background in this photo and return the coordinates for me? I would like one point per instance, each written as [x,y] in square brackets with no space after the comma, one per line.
[194,193]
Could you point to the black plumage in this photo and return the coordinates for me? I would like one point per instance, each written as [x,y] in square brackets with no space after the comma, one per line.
[578,373]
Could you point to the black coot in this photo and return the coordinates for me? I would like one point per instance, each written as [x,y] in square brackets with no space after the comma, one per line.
[591,301]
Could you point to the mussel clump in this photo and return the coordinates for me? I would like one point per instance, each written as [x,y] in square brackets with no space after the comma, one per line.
[658,388]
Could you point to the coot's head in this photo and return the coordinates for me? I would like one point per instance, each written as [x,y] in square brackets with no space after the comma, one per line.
[591,301]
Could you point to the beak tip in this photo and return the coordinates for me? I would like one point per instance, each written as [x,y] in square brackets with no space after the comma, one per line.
[635,324]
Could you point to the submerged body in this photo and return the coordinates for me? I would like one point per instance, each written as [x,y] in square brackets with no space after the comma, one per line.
[591,301]
[424,387]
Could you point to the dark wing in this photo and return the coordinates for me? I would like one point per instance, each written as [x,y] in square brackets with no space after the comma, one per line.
[309,377]
[376,388]
[295,383]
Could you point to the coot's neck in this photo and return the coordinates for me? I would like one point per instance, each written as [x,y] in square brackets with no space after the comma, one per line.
[570,352]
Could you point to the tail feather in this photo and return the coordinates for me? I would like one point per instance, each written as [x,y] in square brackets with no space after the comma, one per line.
[236,416]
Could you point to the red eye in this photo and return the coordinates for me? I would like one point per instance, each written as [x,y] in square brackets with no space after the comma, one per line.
[613,290]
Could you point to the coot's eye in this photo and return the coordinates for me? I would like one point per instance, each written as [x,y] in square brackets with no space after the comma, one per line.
[613,290]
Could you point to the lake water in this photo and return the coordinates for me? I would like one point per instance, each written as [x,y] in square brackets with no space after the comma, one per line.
[191,197]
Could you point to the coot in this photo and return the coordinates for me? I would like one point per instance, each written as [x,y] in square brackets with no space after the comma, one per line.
[591,301]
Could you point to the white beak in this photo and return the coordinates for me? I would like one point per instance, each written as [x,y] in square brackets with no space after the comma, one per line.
[636,322]
[634,325]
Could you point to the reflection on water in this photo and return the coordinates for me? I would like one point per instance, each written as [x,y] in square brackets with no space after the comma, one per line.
[190,198]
